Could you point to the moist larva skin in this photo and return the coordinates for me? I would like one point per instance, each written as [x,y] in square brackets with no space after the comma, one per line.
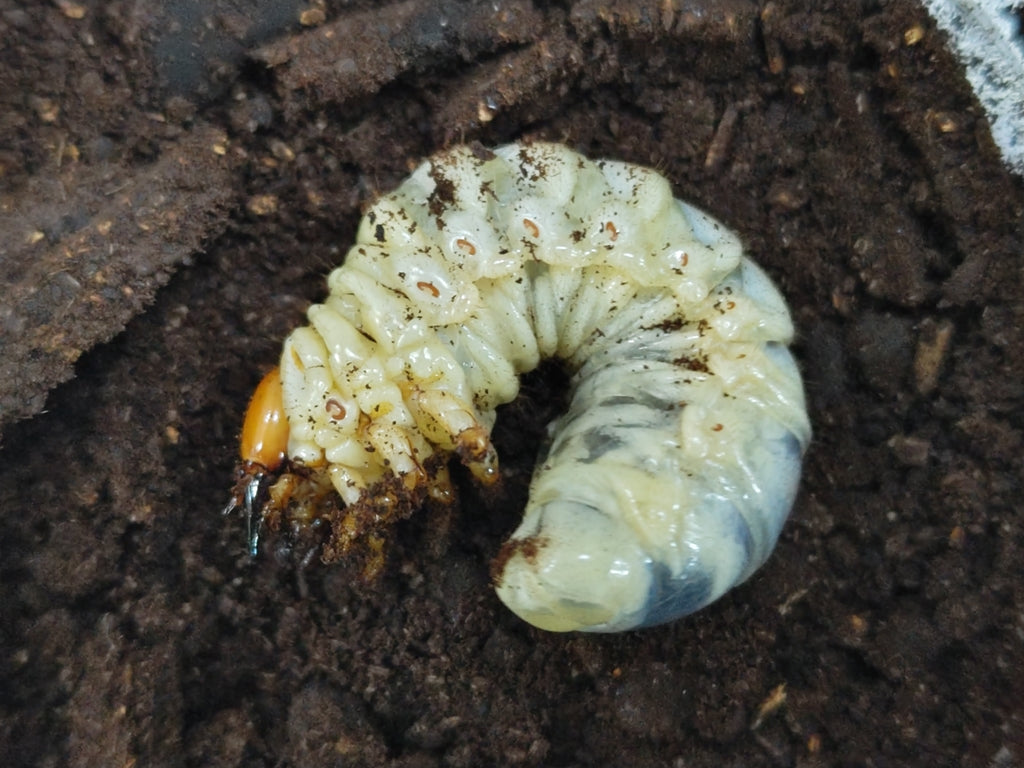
[669,478]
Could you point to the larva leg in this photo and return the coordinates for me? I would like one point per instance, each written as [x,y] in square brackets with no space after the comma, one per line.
[461,432]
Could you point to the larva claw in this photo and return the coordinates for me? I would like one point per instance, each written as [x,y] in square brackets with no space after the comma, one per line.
[474,449]
[250,496]
[253,512]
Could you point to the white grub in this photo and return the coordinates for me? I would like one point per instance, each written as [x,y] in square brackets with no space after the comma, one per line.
[669,478]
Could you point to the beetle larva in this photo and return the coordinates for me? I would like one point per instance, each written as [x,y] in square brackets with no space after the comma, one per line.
[669,478]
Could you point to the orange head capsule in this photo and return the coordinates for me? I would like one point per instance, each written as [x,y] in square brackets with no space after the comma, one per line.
[264,447]
[265,430]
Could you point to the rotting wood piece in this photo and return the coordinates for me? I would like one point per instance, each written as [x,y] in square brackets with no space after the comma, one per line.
[75,280]
[539,74]
[358,53]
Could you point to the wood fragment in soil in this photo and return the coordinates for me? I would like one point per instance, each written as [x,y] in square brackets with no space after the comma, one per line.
[359,53]
[75,280]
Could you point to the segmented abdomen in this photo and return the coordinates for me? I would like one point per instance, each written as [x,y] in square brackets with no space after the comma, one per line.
[668,480]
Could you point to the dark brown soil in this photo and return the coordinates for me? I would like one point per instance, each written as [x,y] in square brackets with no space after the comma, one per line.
[175,181]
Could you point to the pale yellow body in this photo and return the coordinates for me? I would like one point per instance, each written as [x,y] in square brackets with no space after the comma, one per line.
[679,458]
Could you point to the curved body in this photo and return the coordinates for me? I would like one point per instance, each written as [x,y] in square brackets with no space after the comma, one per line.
[671,475]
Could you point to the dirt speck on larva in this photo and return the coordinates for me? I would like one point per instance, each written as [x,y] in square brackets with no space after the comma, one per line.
[529,548]
[857,168]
